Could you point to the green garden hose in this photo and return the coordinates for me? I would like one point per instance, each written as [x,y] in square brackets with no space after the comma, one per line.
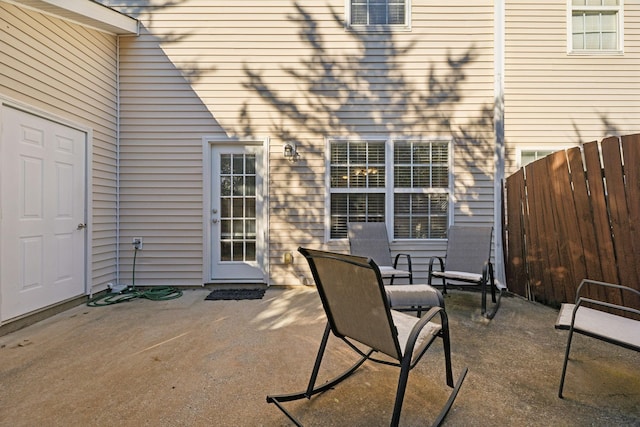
[131,292]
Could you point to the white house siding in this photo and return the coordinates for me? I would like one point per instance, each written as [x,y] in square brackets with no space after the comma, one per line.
[188,76]
[554,98]
[68,71]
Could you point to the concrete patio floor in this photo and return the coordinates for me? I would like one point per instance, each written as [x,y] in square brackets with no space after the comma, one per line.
[191,362]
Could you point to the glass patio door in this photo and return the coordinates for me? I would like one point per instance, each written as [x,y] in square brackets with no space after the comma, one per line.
[237,246]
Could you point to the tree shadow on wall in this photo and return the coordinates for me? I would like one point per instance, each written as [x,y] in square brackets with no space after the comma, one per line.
[372,89]
[349,93]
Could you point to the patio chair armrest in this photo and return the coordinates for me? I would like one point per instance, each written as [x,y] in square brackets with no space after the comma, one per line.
[440,261]
[487,271]
[407,256]
[586,283]
[419,326]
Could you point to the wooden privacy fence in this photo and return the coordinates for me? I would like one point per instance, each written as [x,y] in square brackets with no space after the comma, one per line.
[572,215]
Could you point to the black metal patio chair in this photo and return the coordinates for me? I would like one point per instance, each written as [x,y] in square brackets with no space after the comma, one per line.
[597,318]
[468,262]
[371,240]
[358,312]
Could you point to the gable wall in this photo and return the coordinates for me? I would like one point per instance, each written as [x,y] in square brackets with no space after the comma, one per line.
[552,97]
[69,71]
[196,69]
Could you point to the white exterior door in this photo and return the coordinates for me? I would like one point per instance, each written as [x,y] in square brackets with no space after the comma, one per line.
[42,222]
[236,215]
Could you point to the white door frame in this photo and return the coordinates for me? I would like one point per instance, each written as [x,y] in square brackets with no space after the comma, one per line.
[208,142]
[88,184]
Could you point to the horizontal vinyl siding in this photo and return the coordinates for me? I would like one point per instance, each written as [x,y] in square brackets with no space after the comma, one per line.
[69,71]
[186,76]
[552,97]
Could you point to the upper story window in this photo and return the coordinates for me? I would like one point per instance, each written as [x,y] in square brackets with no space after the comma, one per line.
[379,14]
[404,182]
[596,26]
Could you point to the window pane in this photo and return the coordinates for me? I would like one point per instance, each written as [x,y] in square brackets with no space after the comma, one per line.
[225,163]
[439,226]
[338,152]
[609,23]
[402,204]
[339,177]
[238,208]
[225,207]
[377,14]
[225,229]
[250,229]
[376,153]
[440,152]
[402,176]
[238,164]
[238,251]
[250,254]
[422,176]
[225,186]
[250,166]
[250,186]
[250,208]
[396,14]
[402,152]
[238,185]
[577,22]
[357,177]
[591,23]
[420,216]
[609,41]
[358,204]
[355,208]
[592,41]
[358,14]
[357,152]
[422,153]
[376,177]
[238,229]
[225,251]
[440,177]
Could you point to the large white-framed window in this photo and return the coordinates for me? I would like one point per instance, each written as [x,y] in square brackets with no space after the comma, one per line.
[595,26]
[404,182]
[378,15]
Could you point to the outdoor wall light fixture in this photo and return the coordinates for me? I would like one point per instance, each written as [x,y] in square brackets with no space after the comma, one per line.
[290,153]
[288,258]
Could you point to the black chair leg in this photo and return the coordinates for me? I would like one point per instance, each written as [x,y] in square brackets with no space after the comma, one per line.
[566,361]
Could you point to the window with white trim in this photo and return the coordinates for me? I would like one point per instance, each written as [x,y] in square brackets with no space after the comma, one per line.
[529,154]
[378,14]
[405,178]
[595,26]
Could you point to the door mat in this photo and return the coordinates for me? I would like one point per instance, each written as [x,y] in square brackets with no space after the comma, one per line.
[235,294]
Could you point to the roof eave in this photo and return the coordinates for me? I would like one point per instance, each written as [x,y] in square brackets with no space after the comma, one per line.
[84,12]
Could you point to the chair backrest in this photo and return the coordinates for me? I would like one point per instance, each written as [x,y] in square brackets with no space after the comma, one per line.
[370,240]
[468,248]
[354,299]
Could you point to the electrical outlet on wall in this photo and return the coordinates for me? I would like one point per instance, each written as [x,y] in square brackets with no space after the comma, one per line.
[137,243]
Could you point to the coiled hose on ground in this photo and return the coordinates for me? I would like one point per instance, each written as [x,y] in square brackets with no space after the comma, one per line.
[131,292]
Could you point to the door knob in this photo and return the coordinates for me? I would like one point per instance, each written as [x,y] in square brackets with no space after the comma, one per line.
[81,226]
